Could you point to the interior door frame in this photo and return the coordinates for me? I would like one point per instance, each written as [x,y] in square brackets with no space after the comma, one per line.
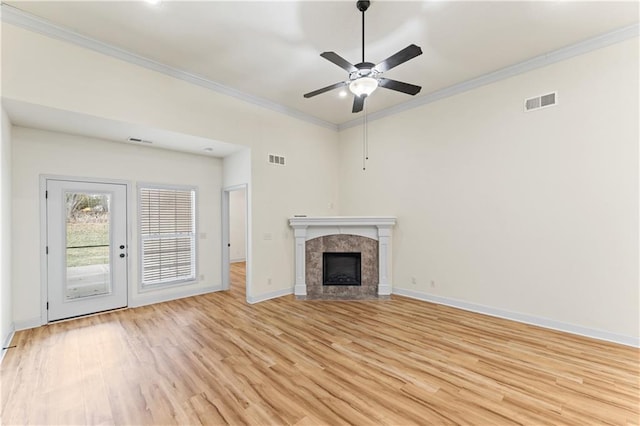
[44,284]
[226,237]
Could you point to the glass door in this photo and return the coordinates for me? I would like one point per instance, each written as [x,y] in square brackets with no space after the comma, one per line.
[87,255]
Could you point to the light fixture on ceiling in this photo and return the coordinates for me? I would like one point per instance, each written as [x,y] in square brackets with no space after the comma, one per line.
[363,86]
[366,77]
[153,2]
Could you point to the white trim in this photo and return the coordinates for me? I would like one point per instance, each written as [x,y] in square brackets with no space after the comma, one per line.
[238,260]
[43,178]
[7,341]
[226,238]
[43,255]
[137,302]
[152,298]
[271,295]
[375,227]
[341,221]
[14,16]
[523,318]
[585,46]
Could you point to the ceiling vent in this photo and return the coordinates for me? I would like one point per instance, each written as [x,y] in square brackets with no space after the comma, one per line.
[276,159]
[542,101]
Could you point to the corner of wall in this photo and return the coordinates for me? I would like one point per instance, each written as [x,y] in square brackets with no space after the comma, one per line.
[6,294]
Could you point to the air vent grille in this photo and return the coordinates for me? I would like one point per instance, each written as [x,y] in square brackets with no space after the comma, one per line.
[276,159]
[138,140]
[542,101]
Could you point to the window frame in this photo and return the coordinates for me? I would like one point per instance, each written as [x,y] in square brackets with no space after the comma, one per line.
[193,278]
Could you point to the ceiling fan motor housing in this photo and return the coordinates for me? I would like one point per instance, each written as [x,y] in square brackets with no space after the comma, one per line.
[363,5]
[365,69]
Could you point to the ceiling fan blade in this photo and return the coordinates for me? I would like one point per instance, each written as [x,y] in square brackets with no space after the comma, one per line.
[358,103]
[399,86]
[398,58]
[325,89]
[339,61]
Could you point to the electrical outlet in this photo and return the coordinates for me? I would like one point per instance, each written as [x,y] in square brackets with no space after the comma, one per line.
[433,283]
[413,280]
[268,281]
[201,277]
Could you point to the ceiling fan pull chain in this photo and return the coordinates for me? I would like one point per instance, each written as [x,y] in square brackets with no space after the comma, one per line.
[364,147]
[365,139]
[366,133]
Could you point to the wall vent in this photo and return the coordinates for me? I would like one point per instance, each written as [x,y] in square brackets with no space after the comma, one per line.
[278,160]
[542,101]
[138,140]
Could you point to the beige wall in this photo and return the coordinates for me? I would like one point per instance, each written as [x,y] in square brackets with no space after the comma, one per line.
[43,71]
[530,213]
[39,153]
[534,214]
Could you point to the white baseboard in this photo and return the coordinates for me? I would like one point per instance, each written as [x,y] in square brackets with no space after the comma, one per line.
[7,341]
[524,318]
[150,298]
[384,290]
[271,295]
[237,260]
[146,299]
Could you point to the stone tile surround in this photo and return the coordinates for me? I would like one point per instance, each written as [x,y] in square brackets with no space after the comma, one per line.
[342,243]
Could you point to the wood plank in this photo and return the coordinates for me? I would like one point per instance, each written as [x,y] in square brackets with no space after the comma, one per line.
[214,359]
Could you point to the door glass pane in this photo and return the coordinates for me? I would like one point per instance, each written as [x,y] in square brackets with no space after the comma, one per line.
[88,245]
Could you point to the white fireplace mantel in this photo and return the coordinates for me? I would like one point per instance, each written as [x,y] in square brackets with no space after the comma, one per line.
[376,227]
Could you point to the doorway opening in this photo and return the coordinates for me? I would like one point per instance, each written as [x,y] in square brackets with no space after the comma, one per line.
[235,259]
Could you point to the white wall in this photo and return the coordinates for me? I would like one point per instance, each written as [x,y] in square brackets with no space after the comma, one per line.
[237,225]
[534,214]
[237,168]
[37,153]
[6,305]
[52,73]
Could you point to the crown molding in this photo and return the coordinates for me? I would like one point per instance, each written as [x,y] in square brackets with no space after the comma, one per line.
[549,58]
[14,16]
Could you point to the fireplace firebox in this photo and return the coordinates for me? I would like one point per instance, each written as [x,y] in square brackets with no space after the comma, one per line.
[341,268]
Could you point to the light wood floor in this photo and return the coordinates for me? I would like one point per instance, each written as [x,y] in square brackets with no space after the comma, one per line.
[214,359]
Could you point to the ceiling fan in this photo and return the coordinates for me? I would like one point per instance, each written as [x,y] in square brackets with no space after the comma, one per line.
[365,77]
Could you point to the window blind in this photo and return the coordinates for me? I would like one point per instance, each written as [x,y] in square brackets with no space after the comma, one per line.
[167,232]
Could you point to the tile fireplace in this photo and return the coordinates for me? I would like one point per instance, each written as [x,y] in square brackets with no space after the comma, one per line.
[360,248]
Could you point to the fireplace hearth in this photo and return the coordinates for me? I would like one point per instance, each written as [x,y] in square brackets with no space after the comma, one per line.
[341,268]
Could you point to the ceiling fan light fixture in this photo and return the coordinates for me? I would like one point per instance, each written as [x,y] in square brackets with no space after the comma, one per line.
[363,86]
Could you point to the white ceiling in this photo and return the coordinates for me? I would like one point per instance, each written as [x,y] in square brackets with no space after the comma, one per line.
[269,50]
